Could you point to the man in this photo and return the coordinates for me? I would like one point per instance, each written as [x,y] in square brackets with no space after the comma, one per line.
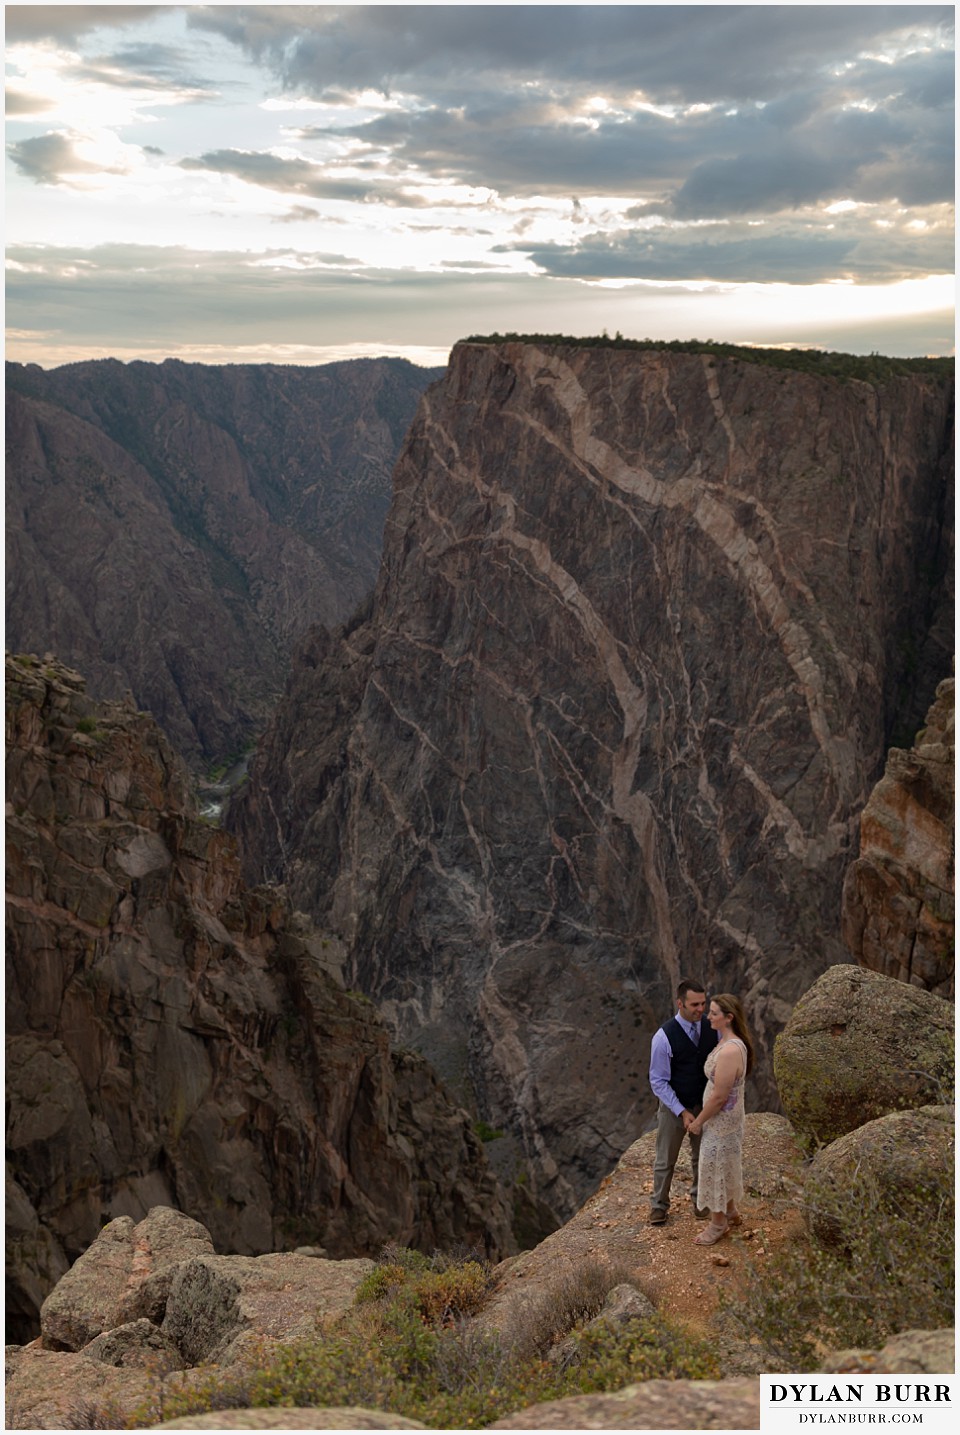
[677,1055]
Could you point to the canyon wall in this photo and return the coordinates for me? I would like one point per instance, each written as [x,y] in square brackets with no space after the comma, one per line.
[898,896]
[644,626]
[175,1038]
[171,529]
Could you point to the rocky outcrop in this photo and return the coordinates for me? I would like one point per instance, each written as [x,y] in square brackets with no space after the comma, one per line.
[612,1231]
[902,1164]
[898,897]
[859,1045]
[95,1360]
[231,1312]
[630,673]
[654,1405]
[920,1352]
[880,1200]
[172,528]
[122,1278]
[177,1039]
[48,1391]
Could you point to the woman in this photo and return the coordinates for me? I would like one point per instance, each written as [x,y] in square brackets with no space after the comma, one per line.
[721,1118]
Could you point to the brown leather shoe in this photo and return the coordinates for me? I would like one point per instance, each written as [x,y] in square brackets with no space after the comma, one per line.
[657,1217]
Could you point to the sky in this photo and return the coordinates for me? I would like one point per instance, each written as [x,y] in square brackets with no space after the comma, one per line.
[298,184]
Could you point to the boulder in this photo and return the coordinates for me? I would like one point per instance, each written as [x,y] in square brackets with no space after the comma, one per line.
[56,1390]
[654,1405]
[139,1342]
[857,1046]
[124,1276]
[899,1163]
[219,1304]
[911,1352]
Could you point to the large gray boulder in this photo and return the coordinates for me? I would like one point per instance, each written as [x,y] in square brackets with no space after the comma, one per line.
[912,1352]
[219,1306]
[902,1163]
[857,1046]
[66,1390]
[124,1276]
[654,1405]
[137,1343]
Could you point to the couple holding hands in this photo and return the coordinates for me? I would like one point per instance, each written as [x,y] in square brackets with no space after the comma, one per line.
[697,1069]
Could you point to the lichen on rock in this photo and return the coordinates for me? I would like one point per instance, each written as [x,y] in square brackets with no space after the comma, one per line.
[859,1045]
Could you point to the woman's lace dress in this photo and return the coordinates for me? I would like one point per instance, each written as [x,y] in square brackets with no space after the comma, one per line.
[721,1147]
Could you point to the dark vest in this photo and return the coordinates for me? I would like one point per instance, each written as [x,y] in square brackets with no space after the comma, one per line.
[686,1066]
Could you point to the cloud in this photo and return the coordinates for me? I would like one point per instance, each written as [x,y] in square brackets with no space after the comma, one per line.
[683,54]
[649,147]
[151,302]
[51,158]
[301,176]
[297,214]
[66,23]
[156,68]
[21,105]
[290,176]
[827,138]
[724,253]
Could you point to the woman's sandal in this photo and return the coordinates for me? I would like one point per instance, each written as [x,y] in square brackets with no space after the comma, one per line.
[736,1220]
[711,1234]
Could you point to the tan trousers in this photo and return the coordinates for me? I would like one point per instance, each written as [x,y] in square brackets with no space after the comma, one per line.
[670,1134]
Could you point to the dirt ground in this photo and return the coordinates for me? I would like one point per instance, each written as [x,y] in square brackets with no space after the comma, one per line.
[688,1279]
[683,1280]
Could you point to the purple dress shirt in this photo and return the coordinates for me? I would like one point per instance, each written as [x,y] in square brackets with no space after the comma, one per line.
[660,1058]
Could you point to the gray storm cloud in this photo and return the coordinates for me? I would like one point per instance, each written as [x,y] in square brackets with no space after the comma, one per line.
[686,54]
[739,255]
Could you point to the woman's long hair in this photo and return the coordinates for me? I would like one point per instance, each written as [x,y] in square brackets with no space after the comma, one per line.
[730,1006]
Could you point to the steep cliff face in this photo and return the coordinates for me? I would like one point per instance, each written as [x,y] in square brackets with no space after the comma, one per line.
[174,1038]
[172,528]
[635,653]
[898,896]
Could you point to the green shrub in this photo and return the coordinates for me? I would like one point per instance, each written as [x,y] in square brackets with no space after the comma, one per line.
[437,1296]
[611,1357]
[574,1297]
[486,1132]
[893,1271]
